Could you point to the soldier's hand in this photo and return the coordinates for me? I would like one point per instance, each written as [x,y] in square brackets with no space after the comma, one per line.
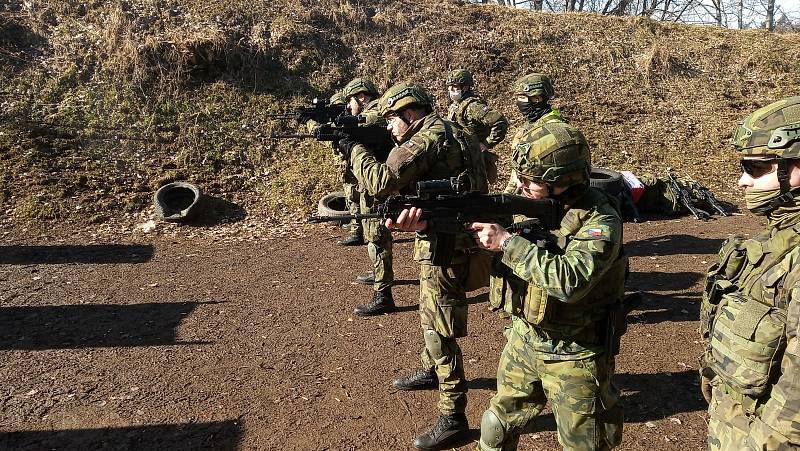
[484,147]
[409,220]
[488,236]
[346,145]
[705,388]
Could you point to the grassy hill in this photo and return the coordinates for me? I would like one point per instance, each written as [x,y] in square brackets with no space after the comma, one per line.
[104,101]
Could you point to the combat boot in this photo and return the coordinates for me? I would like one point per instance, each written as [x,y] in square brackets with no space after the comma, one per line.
[447,429]
[382,302]
[418,380]
[366,279]
[354,239]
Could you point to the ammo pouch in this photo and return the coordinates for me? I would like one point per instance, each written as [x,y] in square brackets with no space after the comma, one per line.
[747,341]
[480,265]
[534,308]
[732,257]
[720,279]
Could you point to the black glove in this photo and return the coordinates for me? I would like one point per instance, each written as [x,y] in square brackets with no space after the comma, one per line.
[346,145]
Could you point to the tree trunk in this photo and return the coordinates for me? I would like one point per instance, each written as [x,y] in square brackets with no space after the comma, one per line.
[770,22]
[740,14]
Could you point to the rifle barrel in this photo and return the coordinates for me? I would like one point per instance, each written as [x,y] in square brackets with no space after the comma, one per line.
[291,135]
[314,219]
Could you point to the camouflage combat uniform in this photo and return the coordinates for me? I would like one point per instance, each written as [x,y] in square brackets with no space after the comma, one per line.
[433,152]
[352,197]
[474,115]
[379,238]
[488,125]
[557,346]
[564,293]
[750,316]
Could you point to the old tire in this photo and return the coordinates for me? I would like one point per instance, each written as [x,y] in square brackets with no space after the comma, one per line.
[177,201]
[333,204]
[607,180]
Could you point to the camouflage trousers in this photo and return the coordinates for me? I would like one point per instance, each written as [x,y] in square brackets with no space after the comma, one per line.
[379,248]
[732,427]
[443,312]
[352,198]
[585,404]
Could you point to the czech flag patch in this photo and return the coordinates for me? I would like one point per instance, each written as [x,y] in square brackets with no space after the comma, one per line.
[594,233]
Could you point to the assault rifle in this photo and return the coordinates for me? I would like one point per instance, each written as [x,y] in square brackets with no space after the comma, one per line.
[448,205]
[685,197]
[375,137]
[319,111]
[705,195]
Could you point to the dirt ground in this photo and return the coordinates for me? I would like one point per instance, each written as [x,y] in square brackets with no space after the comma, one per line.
[193,342]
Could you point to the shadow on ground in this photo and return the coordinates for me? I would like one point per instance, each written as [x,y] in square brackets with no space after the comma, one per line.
[85,254]
[658,308]
[85,326]
[657,396]
[662,281]
[672,245]
[213,211]
[217,435]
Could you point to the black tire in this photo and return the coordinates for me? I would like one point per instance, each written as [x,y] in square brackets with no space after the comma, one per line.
[333,204]
[177,201]
[607,180]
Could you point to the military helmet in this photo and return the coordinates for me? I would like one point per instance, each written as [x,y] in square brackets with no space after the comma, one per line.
[554,153]
[771,130]
[534,85]
[401,96]
[336,99]
[360,85]
[459,77]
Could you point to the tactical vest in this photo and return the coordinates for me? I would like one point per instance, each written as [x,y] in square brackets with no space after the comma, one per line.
[472,163]
[743,315]
[556,319]
[459,116]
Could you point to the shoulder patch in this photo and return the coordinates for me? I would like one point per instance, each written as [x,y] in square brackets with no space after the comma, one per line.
[595,232]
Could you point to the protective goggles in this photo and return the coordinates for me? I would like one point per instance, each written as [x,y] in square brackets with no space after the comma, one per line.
[758,168]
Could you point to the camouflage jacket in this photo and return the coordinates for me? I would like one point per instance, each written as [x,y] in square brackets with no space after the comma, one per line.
[560,294]
[429,154]
[750,319]
[529,127]
[472,113]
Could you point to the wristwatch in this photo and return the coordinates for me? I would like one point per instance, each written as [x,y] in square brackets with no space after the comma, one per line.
[505,242]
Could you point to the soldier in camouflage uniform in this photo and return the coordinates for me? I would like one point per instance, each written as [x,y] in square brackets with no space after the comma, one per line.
[532,94]
[750,316]
[356,95]
[429,148]
[563,291]
[473,114]
[361,96]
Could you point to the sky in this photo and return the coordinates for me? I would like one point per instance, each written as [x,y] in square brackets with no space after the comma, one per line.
[792,7]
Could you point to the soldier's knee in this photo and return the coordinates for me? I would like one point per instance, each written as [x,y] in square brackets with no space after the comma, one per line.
[493,432]
[435,345]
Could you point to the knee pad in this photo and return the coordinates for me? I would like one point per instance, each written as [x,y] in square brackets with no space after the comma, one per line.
[433,343]
[493,432]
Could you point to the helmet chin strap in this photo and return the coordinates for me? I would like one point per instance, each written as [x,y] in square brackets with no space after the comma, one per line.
[403,118]
[787,196]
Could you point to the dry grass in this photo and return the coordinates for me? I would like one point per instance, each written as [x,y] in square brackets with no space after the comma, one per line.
[112,98]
